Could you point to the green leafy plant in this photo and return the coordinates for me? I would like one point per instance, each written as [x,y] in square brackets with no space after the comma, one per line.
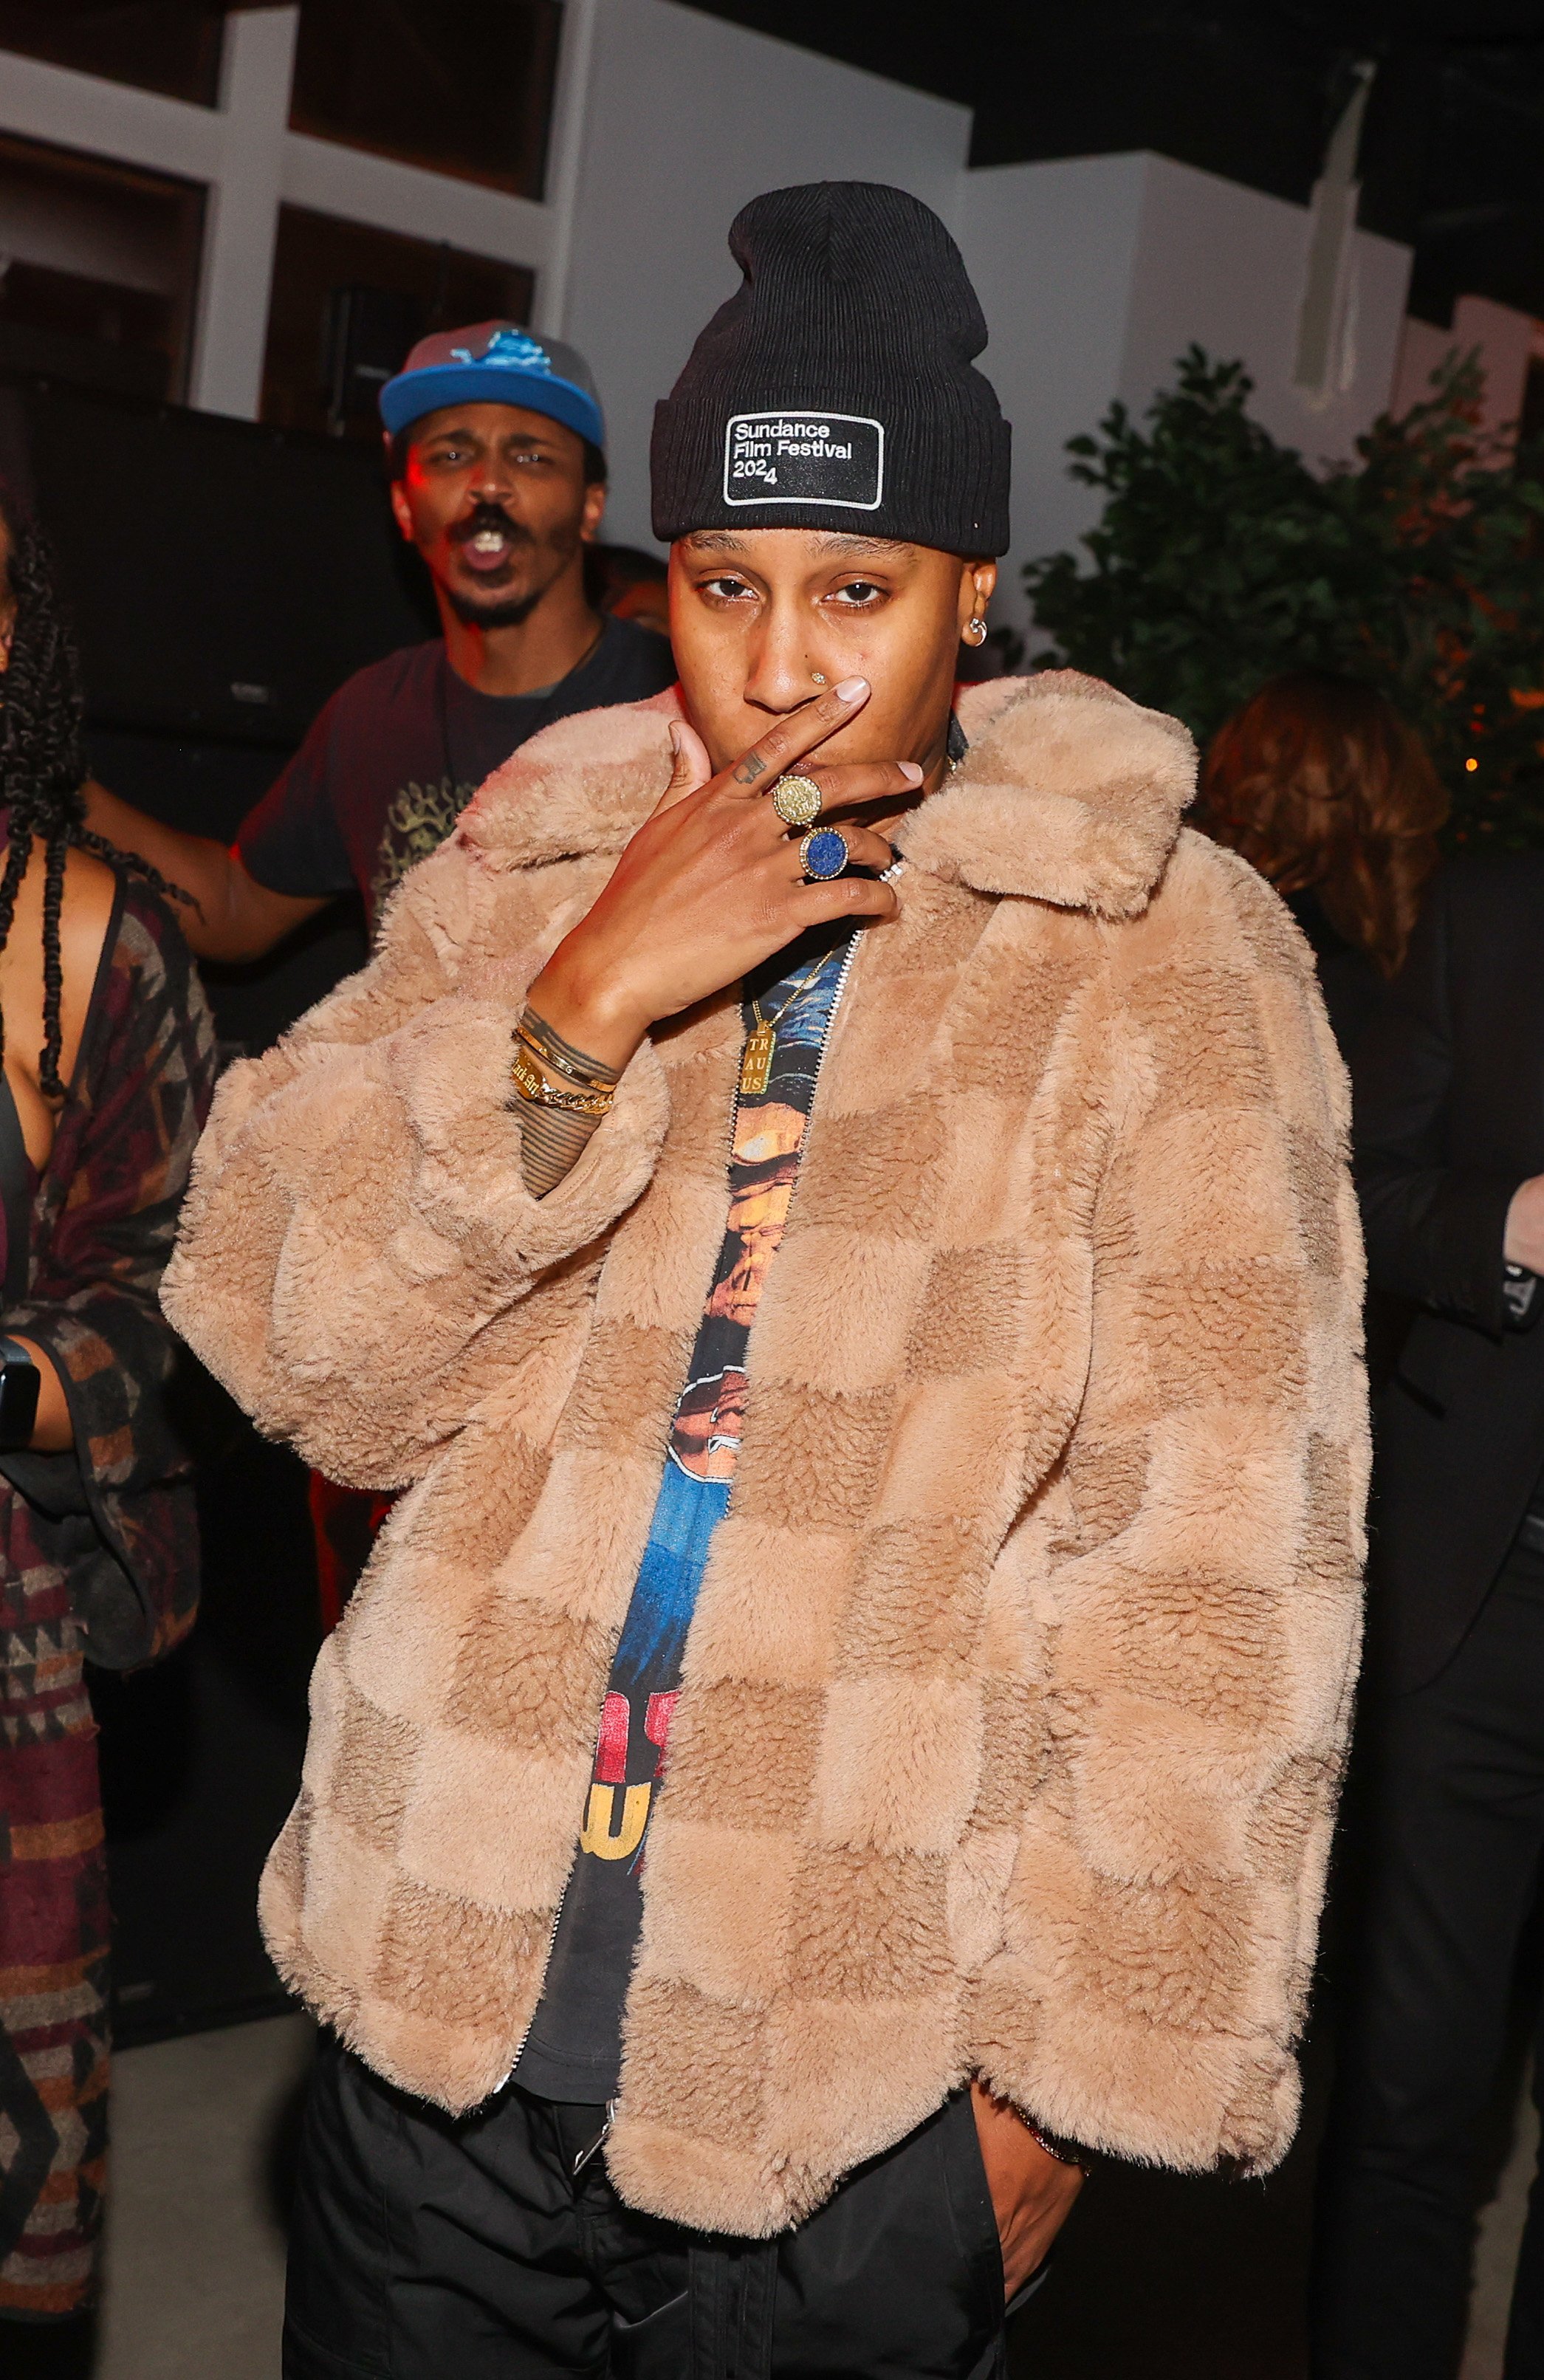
[1221,559]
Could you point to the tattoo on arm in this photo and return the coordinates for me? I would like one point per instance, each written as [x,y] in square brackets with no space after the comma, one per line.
[551,1143]
[750,767]
[577,1059]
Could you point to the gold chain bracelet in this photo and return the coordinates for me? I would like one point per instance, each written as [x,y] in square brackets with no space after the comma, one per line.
[537,1092]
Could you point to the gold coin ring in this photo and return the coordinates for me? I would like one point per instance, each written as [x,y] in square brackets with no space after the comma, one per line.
[797,800]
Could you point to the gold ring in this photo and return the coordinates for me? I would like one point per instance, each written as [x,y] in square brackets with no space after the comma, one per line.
[797,800]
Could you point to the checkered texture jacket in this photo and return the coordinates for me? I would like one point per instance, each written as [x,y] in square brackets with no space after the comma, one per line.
[1014,1699]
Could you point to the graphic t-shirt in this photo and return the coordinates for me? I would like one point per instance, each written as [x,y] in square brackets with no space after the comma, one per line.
[573,2048]
[393,759]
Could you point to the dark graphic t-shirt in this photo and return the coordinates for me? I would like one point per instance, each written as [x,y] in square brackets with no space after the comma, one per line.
[573,2048]
[393,758]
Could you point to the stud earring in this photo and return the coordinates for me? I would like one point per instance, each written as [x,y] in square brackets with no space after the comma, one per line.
[976,631]
[819,676]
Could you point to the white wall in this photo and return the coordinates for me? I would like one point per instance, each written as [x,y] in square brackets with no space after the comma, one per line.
[1096,272]
[685,119]
[1505,340]
[1225,266]
[1052,252]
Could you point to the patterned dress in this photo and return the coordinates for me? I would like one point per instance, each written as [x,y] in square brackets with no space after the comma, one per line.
[98,1553]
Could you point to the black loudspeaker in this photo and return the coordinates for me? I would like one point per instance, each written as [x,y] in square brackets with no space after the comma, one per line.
[224,579]
[208,787]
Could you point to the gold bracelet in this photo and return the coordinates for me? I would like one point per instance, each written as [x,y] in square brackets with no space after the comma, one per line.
[545,1055]
[555,1055]
[533,1087]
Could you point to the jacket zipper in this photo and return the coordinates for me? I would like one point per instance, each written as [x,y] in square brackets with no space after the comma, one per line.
[596,2145]
[546,1963]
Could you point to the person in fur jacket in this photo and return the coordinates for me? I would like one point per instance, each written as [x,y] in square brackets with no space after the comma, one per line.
[832,1207]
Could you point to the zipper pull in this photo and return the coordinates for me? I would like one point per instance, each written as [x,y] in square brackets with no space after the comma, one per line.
[597,2144]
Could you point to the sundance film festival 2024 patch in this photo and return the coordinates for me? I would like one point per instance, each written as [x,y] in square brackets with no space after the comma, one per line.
[791,457]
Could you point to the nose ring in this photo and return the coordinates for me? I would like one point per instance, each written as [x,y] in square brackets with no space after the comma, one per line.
[819,676]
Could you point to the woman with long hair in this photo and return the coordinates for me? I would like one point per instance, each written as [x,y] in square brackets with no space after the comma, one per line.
[106,1072]
[1321,784]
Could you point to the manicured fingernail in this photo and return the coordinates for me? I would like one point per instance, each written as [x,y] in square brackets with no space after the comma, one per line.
[911,772]
[850,689]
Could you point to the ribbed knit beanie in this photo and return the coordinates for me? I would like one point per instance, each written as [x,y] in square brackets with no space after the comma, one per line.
[835,389]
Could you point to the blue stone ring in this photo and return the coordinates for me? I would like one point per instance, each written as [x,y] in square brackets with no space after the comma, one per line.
[824,854]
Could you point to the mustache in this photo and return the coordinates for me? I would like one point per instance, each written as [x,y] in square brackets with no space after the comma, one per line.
[490,516]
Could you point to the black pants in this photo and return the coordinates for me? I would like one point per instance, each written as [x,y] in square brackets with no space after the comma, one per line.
[1457,1828]
[429,2246]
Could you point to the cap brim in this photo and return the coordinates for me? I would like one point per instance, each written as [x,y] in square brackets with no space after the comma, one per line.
[411,395]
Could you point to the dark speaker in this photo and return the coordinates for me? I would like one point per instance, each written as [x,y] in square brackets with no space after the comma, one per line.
[224,579]
[208,786]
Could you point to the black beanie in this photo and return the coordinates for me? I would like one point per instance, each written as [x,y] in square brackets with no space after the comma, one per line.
[835,390]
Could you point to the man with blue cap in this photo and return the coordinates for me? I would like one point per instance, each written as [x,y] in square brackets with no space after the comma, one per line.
[496,449]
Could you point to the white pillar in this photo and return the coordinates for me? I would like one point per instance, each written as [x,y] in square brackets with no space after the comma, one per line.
[242,218]
[564,162]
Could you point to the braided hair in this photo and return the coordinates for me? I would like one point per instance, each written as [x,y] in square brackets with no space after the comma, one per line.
[42,764]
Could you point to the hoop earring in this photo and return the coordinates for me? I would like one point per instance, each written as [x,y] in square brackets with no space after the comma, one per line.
[976,631]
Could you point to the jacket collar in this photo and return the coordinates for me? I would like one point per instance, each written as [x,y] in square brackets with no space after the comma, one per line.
[1069,793]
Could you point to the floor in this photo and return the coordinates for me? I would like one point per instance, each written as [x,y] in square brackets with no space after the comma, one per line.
[1157,2276]
[204,2131]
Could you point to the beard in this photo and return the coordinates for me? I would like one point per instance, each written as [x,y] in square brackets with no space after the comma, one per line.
[545,559]
[495,611]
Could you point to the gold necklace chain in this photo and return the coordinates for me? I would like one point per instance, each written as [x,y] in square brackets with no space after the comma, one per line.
[760,1042]
[803,986]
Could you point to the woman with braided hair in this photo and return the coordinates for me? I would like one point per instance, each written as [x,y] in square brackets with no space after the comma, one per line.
[105,1070]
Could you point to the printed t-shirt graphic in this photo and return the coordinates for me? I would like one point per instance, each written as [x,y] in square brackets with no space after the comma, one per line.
[393,759]
[574,2048]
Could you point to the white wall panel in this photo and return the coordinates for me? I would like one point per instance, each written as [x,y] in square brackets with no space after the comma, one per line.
[1505,340]
[107,119]
[1096,272]
[1224,266]
[1051,250]
[241,217]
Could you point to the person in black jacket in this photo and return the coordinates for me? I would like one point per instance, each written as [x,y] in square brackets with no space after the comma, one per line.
[1449,1144]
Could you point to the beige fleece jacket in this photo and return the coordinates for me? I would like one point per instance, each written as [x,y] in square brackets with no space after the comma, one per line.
[1016,1697]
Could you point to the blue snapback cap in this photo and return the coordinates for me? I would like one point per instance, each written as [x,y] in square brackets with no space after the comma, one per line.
[494,363]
